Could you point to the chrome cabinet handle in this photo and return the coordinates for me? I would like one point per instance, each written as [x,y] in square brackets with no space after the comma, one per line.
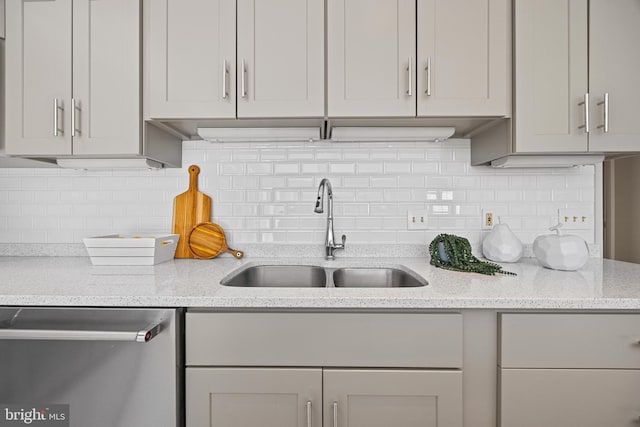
[309,413]
[225,83]
[335,414]
[605,103]
[585,126]
[56,108]
[428,70]
[243,80]
[410,73]
[74,108]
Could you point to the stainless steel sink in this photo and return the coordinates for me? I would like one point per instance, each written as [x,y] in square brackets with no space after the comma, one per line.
[376,278]
[278,276]
[309,276]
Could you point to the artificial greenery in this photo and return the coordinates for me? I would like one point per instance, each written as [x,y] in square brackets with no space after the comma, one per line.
[459,257]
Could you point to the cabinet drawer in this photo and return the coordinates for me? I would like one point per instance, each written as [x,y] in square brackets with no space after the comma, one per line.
[570,341]
[324,339]
[559,397]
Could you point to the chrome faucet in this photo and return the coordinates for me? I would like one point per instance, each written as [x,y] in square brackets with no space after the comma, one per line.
[330,244]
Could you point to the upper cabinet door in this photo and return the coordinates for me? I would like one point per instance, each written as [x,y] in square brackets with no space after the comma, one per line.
[280,58]
[38,65]
[463,69]
[191,57]
[371,58]
[614,63]
[550,75]
[106,77]
[1,18]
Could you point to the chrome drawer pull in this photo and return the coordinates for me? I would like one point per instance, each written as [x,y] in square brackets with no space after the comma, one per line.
[309,414]
[335,414]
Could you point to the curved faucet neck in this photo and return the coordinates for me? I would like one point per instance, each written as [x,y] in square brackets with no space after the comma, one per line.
[320,200]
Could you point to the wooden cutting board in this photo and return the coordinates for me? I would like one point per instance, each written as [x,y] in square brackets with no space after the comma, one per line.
[189,209]
[207,240]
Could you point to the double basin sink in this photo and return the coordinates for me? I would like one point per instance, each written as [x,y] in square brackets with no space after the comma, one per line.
[309,276]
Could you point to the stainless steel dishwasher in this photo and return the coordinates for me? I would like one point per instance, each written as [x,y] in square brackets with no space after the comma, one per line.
[90,367]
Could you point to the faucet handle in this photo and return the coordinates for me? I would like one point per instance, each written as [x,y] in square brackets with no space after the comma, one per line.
[344,239]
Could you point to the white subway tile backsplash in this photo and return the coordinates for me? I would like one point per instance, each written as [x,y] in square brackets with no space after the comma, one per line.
[397,168]
[20,197]
[411,181]
[356,181]
[439,181]
[370,168]
[259,168]
[286,168]
[272,182]
[422,168]
[385,209]
[384,181]
[355,209]
[266,192]
[388,154]
[315,168]
[396,195]
[342,168]
[453,168]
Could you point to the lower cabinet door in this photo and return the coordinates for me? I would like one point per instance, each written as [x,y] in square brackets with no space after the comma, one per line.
[383,398]
[245,397]
[569,397]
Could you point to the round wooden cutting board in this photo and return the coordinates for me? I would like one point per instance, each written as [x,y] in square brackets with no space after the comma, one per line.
[207,240]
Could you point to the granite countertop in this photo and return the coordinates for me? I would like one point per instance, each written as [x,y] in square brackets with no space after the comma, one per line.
[73,281]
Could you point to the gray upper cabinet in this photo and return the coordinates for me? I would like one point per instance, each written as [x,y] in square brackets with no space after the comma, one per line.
[551,79]
[106,78]
[195,70]
[38,75]
[371,57]
[614,60]
[2,24]
[575,88]
[376,68]
[190,49]
[73,82]
[280,58]
[463,69]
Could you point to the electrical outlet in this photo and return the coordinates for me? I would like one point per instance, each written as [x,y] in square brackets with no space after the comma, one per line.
[487,220]
[575,219]
[417,220]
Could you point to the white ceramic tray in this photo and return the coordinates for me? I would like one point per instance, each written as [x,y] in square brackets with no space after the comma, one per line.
[134,249]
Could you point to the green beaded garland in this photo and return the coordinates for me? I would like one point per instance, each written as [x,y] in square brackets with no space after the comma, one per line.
[459,257]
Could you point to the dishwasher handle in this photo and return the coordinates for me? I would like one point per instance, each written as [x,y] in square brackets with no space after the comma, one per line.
[143,335]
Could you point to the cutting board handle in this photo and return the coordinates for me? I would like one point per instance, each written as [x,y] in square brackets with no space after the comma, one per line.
[193,177]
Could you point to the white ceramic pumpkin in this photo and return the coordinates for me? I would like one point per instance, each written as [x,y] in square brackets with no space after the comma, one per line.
[561,252]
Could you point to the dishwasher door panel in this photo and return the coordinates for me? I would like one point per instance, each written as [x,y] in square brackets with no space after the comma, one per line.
[105,380]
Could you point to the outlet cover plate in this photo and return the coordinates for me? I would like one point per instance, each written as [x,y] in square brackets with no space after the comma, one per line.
[417,220]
